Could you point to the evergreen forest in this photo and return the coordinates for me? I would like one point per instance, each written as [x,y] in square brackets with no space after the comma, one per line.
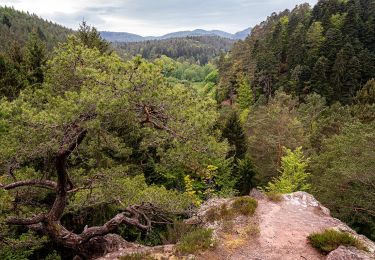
[101,138]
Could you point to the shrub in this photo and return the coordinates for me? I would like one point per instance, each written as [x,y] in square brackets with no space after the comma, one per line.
[293,173]
[219,213]
[199,239]
[252,230]
[176,231]
[137,256]
[245,205]
[274,196]
[329,240]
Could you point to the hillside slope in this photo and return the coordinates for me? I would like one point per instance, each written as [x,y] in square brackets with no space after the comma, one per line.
[130,37]
[15,26]
[199,49]
[328,49]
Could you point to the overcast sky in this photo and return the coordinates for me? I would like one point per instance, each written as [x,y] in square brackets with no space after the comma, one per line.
[156,17]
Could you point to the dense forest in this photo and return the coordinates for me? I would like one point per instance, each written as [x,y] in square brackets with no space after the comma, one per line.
[15,27]
[305,78]
[196,49]
[25,41]
[130,139]
[328,50]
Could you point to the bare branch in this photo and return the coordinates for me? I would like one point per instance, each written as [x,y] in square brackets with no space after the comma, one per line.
[37,183]
[26,221]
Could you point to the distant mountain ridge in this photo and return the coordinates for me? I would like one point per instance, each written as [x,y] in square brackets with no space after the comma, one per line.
[130,37]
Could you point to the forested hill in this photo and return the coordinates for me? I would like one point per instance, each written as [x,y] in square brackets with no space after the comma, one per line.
[129,37]
[15,26]
[328,49]
[199,49]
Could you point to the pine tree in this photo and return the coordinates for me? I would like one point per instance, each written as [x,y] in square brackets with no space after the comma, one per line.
[34,59]
[91,38]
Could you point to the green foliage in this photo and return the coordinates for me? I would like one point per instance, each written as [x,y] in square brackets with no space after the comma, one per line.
[132,190]
[244,172]
[34,59]
[269,128]
[176,231]
[132,117]
[53,256]
[245,206]
[20,248]
[91,38]
[342,176]
[293,173]
[364,109]
[233,131]
[306,50]
[186,71]
[194,49]
[274,196]
[219,213]
[195,241]
[15,26]
[137,256]
[242,205]
[330,240]
[245,97]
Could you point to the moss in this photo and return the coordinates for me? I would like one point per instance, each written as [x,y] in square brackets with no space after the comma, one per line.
[245,206]
[197,240]
[330,240]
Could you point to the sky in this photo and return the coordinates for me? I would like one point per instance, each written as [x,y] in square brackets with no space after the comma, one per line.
[156,17]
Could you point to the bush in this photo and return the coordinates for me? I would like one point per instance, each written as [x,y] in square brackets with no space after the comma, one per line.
[176,231]
[274,196]
[137,256]
[245,206]
[219,213]
[293,173]
[199,239]
[330,240]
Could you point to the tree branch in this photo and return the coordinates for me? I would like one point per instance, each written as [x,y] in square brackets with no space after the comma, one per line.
[37,183]
[26,221]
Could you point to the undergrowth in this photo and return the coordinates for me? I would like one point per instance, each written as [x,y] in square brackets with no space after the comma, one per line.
[137,256]
[274,196]
[330,240]
[196,240]
[245,206]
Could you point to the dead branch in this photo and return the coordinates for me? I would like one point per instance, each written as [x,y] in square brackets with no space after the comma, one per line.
[37,183]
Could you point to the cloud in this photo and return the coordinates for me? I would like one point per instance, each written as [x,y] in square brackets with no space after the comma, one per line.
[155,17]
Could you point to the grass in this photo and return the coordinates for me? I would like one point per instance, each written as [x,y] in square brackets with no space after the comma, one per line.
[176,231]
[194,241]
[274,196]
[219,213]
[137,256]
[252,230]
[330,240]
[245,206]
[242,205]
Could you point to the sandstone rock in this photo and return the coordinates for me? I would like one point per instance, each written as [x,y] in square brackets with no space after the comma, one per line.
[305,200]
[282,227]
[349,253]
[257,194]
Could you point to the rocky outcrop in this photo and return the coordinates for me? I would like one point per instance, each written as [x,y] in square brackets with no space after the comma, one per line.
[278,230]
[349,253]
